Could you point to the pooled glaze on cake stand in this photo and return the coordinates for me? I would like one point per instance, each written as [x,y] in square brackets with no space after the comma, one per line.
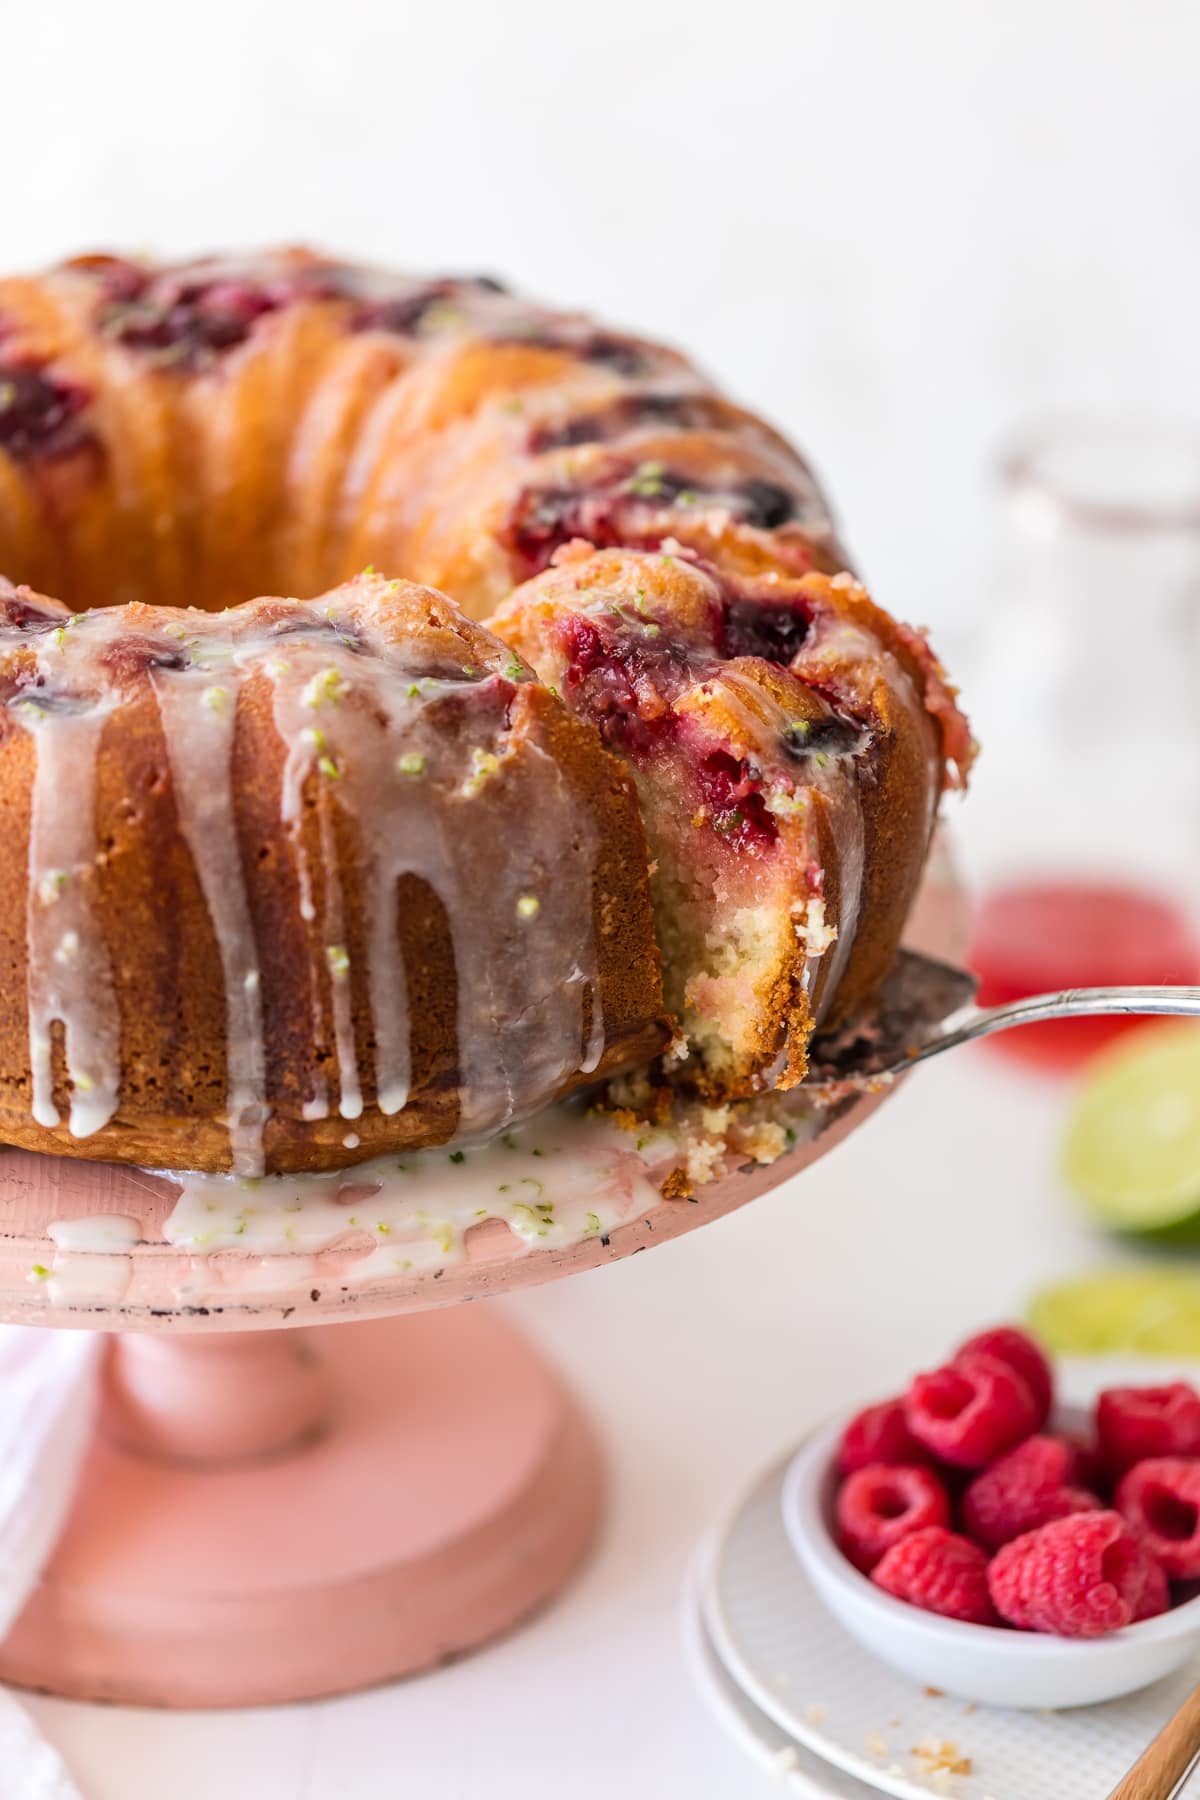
[276,1515]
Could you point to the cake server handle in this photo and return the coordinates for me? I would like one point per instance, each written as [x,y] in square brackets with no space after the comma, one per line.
[1161,1770]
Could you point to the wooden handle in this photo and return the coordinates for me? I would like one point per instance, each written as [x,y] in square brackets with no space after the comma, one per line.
[1158,1771]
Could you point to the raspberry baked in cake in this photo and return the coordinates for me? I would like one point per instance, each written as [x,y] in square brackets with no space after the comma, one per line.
[788,767]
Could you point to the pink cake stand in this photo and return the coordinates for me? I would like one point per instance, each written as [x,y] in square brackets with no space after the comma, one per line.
[272,1515]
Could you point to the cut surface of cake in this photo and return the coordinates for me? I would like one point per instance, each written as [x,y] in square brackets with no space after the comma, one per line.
[788,765]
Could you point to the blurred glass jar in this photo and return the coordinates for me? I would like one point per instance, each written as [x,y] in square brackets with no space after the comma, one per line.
[1085,692]
[1082,835]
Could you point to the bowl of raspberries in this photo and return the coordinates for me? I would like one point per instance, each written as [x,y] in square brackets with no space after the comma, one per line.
[986,1540]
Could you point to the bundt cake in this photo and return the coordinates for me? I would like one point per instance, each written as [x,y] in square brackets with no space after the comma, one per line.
[308,879]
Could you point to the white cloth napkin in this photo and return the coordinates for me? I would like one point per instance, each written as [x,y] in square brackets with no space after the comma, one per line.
[48,1391]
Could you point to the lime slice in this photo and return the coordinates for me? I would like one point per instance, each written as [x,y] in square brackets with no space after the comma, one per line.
[1132,1150]
[1151,1310]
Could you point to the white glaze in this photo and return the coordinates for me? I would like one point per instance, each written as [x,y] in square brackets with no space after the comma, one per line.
[83,1279]
[198,719]
[360,708]
[552,1182]
[96,1232]
[70,974]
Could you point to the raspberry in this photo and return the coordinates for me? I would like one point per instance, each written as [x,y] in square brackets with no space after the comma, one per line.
[1016,1348]
[1022,1490]
[1086,1468]
[878,1434]
[1161,1500]
[940,1572]
[970,1411]
[1156,1591]
[1078,1577]
[879,1505]
[1134,1423]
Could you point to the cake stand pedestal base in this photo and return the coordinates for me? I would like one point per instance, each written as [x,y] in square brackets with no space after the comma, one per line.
[269,1517]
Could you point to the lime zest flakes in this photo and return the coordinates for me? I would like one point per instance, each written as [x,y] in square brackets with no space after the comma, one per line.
[329,768]
[515,670]
[591,1225]
[83,1082]
[370,569]
[622,612]
[528,1220]
[647,481]
[39,1272]
[217,700]
[443,315]
[383,1227]
[328,684]
[338,958]
[51,885]
[821,758]
[785,804]
[312,734]
[470,671]
[528,906]
[484,764]
[411,763]
[798,730]
[415,689]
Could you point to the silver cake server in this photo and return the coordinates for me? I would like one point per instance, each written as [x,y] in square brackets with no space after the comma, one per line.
[926,1006]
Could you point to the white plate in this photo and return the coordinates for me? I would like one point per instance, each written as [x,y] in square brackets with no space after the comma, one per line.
[800,1772]
[817,1686]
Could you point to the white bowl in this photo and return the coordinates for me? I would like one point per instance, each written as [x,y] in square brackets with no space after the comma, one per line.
[979,1662]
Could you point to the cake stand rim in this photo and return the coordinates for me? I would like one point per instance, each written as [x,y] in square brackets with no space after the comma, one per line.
[937,924]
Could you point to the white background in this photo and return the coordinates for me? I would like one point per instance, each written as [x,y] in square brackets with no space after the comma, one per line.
[898,227]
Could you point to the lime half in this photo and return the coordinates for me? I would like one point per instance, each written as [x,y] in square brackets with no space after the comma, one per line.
[1132,1151]
[1150,1310]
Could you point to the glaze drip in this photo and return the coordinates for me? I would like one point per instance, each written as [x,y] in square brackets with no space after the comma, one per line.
[70,974]
[198,723]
